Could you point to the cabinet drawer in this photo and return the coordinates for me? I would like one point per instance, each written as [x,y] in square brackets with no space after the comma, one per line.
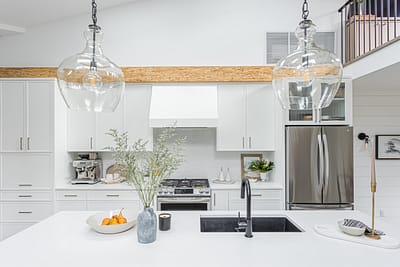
[266,194]
[27,171]
[113,205]
[70,195]
[27,196]
[29,212]
[112,195]
[10,229]
[71,205]
[257,204]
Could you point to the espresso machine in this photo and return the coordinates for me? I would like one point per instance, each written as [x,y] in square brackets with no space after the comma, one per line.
[87,170]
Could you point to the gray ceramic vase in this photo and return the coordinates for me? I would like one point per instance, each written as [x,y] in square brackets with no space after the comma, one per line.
[147,226]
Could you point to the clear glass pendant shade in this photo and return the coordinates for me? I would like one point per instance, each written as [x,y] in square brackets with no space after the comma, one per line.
[309,77]
[89,80]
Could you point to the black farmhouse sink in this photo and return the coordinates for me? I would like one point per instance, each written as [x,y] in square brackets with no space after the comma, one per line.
[260,224]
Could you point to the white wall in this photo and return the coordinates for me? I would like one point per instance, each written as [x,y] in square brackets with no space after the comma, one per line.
[376,111]
[171,32]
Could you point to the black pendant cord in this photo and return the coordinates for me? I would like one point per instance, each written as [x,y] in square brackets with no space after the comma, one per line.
[93,65]
[305,13]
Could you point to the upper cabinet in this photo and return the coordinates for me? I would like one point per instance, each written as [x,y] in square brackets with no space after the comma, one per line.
[87,131]
[338,112]
[246,118]
[27,115]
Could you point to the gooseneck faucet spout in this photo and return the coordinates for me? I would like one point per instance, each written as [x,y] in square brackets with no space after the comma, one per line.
[246,189]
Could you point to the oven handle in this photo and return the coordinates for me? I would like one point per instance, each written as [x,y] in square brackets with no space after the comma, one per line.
[181,200]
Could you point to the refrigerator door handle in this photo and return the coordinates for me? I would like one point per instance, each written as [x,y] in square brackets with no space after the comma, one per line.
[321,159]
[326,160]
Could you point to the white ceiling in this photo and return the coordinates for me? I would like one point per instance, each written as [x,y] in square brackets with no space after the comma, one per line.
[28,13]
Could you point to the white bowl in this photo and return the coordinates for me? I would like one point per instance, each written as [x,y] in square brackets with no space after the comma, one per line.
[356,231]
[95,220]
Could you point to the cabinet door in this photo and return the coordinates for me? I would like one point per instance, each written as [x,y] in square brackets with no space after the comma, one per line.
[220,200]
[39,137]
[26,212]
[26,171]
[81,130]
[71,205]
[231,118]
[260,117]
[106,121]
[12,116]
[137,109]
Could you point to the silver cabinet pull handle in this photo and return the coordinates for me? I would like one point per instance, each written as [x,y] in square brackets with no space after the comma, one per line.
[25,212]
[28,143]
[70,195]
[110,195]
[243,142]
[250,142]
[20,143]
[25,196]
[91,142]
[25,185]
[256,195]
[215,200]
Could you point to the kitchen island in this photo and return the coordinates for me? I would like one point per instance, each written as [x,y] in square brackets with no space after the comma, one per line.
[66,240]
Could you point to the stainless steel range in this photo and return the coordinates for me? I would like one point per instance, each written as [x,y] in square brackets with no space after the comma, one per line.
[184,194]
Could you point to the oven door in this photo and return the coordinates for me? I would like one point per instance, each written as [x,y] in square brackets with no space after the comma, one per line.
[183,203]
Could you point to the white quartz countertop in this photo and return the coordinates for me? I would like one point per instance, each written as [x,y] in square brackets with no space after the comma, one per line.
[125,186]
[237,184]
[65,240]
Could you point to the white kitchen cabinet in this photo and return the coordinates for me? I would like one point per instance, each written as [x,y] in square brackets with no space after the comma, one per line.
[26,212]
[27,115]
[113,205]
[71,205]
[260,200]
[137,109]
[81,130]
[246,118]
[220,200]
[339,112]
[106,121]
[26,171]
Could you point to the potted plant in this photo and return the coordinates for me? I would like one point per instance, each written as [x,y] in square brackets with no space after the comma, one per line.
[145,170]
[263,167]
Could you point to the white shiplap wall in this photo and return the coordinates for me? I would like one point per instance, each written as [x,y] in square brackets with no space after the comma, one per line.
[376,110]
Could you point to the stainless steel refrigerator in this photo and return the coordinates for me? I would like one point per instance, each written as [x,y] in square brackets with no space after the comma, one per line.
[319,167]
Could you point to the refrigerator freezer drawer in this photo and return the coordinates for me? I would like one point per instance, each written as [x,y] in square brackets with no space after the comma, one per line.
[349,206]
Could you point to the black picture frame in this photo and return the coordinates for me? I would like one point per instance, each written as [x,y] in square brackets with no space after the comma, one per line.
[387,146]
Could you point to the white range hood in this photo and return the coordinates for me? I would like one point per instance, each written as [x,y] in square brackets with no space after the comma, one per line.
[184,106]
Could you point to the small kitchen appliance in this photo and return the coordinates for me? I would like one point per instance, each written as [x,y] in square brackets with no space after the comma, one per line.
[184,194]
[87,171]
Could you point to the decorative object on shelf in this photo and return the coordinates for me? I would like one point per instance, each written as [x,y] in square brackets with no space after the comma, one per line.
[89,80]
[221,175]
[228,177]
[387,146]
[264,167]
[245,162]
[96,221]
[309,77]
[146,170]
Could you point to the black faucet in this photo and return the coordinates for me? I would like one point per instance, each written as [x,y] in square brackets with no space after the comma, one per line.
[246,187]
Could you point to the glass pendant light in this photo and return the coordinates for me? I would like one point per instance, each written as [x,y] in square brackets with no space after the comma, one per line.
[89,80]
[309,77]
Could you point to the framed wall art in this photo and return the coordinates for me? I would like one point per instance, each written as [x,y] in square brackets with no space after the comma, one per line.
[387,146]
[245,161]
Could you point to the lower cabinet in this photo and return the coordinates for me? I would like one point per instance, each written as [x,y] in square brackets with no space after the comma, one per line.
[9,229]
[261,199]
[67,200]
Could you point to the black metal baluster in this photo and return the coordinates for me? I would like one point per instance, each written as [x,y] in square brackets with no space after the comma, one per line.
[388,20]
